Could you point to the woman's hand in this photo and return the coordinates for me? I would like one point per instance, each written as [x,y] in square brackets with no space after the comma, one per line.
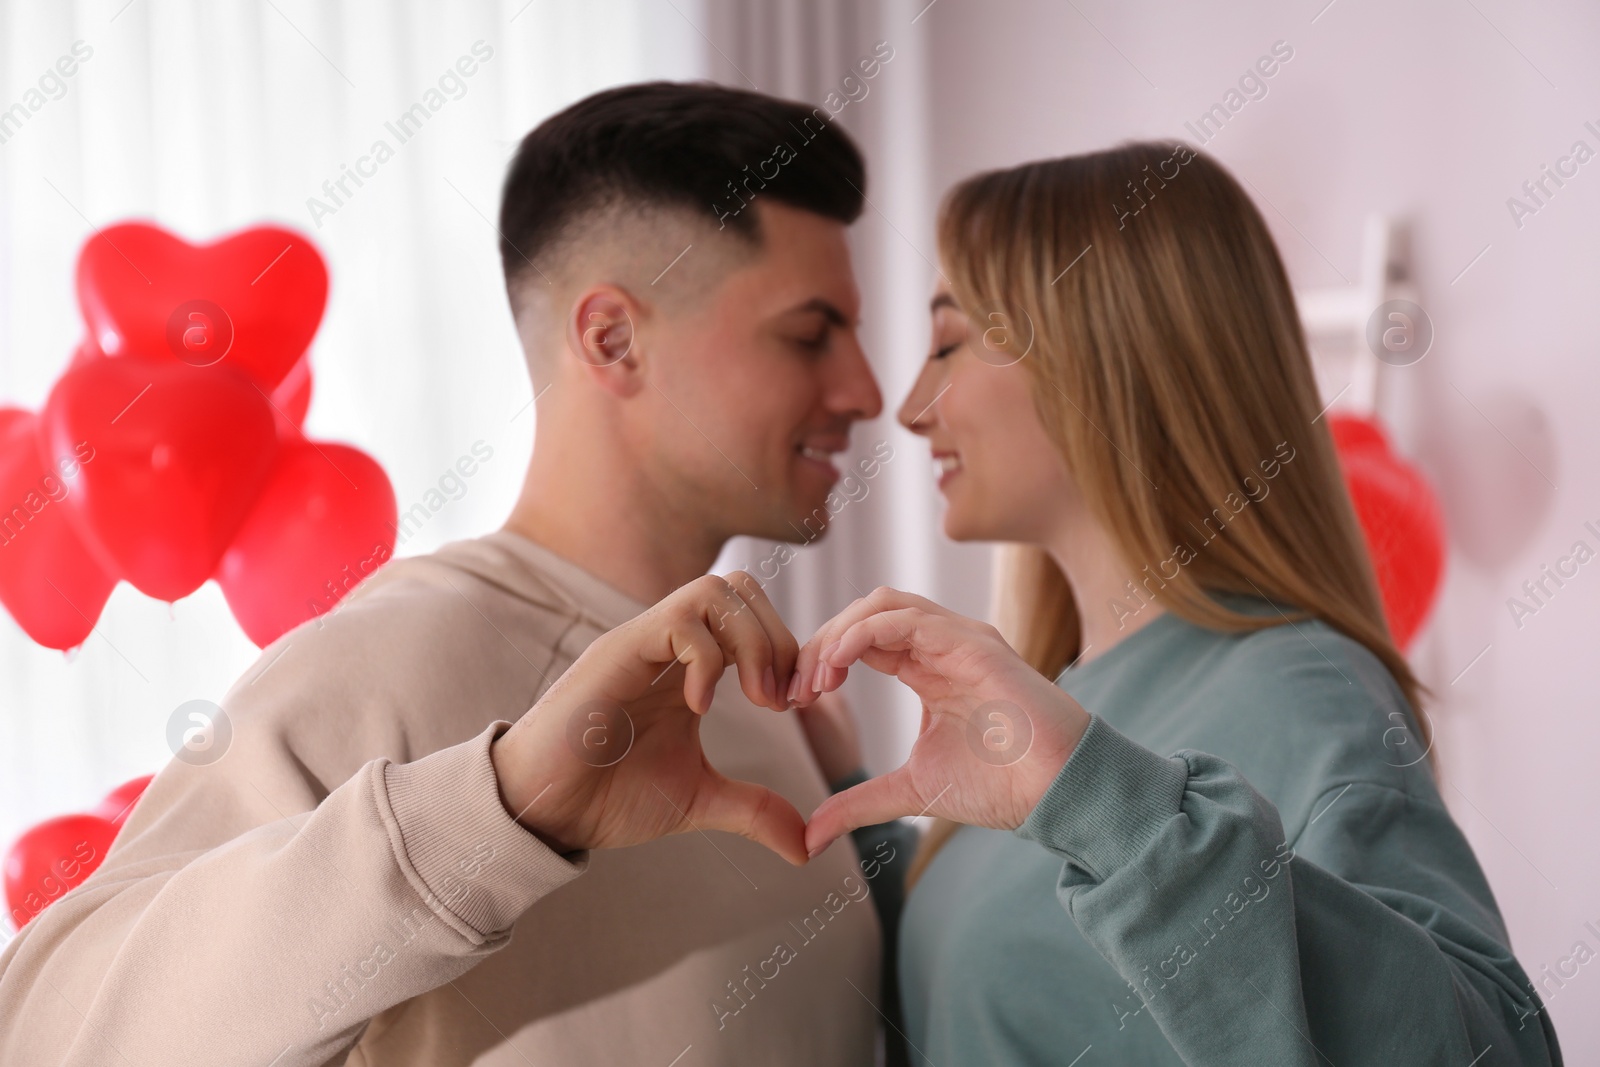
[610,755]
[995,732]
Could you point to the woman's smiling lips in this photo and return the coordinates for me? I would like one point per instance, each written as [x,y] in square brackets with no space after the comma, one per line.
[945,466]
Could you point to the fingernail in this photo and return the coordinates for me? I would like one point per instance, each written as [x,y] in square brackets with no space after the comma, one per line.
[829,651]
[814,853]
[818,677]
[769,686]
[794,687]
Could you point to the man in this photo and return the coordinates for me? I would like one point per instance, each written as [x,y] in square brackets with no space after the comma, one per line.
[376,871]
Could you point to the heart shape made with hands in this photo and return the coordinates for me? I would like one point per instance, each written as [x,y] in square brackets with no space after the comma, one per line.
[995,733]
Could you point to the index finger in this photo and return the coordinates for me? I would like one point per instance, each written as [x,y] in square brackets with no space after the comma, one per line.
[704,626]
[785,647]
[883,598]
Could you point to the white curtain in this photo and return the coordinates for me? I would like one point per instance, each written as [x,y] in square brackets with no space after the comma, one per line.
[207,117]
[889,533]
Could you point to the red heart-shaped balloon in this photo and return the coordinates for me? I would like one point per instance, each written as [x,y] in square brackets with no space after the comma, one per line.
[1353,433]
[86,352]
[172,460]
[292,398]
[251,301]
[49,581]
[53,857]
[1401,519]
[325,521]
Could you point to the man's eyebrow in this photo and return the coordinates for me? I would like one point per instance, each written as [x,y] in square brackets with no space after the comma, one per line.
[826,308]
[943,300]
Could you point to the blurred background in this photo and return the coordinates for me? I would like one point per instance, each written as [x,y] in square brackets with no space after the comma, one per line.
[1395,150]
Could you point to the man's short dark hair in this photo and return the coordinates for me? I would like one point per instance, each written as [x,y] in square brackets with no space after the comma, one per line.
[696,146]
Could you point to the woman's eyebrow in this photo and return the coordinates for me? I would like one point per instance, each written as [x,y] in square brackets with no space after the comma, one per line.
[943,300]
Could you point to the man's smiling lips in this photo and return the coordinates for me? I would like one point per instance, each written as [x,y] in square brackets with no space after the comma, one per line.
[817,452]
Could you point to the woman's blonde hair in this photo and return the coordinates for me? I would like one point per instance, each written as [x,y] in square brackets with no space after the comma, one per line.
[1169,367]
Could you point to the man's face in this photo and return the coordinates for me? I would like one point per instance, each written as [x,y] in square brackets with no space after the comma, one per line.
[757,384]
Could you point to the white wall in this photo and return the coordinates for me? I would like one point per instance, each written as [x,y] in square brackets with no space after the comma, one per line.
[1436,112]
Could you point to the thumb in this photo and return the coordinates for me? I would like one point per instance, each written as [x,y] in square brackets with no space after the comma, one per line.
[755,812]
[876,800]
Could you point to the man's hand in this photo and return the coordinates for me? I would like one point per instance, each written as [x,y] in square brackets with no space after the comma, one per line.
[610,755]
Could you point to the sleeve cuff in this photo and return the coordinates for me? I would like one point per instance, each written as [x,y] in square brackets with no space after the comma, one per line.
[1108,802]
[459,847]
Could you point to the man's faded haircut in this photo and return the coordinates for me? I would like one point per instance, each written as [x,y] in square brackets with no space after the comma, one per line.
[705,150]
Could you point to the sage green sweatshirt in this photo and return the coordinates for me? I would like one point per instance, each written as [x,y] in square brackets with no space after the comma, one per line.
[1245,861]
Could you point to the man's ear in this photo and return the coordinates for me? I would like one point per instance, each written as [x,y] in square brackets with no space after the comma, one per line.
[601,332]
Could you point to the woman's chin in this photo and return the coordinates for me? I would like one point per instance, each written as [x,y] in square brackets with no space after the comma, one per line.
[960,524]
[958,527]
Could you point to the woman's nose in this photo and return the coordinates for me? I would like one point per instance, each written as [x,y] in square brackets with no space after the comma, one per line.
[917,412]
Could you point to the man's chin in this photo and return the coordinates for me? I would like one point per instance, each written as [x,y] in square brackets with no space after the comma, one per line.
[800,522]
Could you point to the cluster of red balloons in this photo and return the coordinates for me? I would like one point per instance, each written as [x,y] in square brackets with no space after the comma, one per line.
[170,451]
[1401,518]
[59,853]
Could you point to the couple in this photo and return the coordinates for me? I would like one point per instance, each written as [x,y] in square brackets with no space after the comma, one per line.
[505,807]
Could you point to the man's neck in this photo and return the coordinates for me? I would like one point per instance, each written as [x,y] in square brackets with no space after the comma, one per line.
[601,517]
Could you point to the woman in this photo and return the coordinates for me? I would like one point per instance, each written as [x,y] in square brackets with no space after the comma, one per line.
[1214,839]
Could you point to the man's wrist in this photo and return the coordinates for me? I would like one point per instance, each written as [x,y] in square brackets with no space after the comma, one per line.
[518,798]
[513,795]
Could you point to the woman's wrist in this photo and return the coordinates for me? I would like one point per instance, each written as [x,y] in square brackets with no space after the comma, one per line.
[1107,802]
[1054,741]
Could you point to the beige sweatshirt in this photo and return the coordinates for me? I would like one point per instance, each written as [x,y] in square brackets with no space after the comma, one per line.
[345,886]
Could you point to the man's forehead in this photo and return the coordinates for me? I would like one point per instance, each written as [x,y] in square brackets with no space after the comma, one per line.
[798,275]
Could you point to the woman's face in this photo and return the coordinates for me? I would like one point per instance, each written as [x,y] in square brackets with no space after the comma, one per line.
[1002,477]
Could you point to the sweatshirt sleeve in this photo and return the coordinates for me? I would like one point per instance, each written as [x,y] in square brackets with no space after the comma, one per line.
[1371,938]
[276,944]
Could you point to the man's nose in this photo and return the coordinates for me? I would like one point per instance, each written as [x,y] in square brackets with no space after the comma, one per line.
[854,389]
